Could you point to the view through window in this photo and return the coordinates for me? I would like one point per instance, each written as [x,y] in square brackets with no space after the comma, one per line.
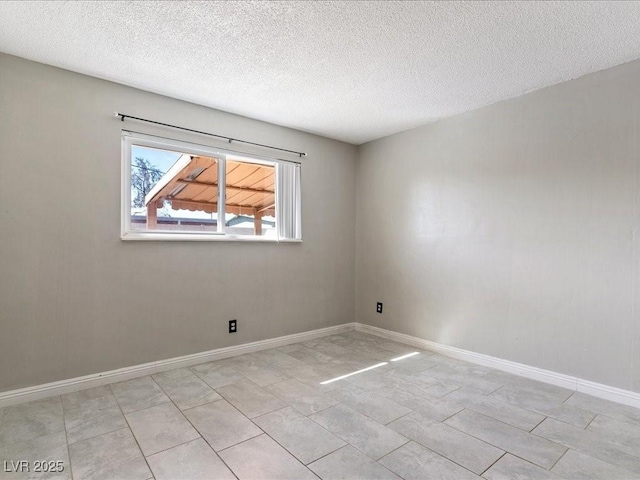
[173,191]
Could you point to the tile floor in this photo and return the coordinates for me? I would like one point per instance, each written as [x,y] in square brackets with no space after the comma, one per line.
[267,415]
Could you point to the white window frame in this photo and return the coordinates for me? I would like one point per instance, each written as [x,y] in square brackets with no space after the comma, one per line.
[130,139]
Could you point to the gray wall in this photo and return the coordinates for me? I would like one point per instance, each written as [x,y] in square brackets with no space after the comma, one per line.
[513,230]
[75,299]
[510,231]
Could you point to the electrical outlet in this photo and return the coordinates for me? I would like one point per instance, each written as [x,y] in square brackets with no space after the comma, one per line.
[379,307]
[233,326]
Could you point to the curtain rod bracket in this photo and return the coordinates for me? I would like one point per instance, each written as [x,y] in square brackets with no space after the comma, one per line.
[229,139]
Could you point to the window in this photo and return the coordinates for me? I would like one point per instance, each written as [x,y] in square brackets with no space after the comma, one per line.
[180,191]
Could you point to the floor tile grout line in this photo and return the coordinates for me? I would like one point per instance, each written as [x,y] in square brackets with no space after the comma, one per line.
[545,417]
[66,437]
[394,450]
[239,371]
[291,453]
[399,418]
[241,441]
[589,424]
[321,426]
[223,365]
[539,412]
[131,430]
[346,444]
[453,414]
[596,413]
[93,436]
[143,408]
[559,421]
[217,453]
[326,454]
[279,382]
[247,418]
[489,393]
[267,434]
[501,448]
[533,464]
[175,446]
[560,458]
[408,440]
[567,399]
[497,460]
[150,406]
[444,456]
[321,410]
[295,408]
[208,403]
[349,443]
[326,430]
[585,452]
[181,378]
[257,386]
[501,387]
[460,465]
[388,468]
[269,413]
[488,416]
[375,419]
[97,435]
[111,430]
[176,406]
[198,431]
[556,403]
[308,364]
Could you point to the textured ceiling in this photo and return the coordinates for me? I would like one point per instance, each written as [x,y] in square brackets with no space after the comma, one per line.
[354,71]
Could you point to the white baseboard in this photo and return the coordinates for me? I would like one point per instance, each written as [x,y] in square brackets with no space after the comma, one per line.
[600,390]
[38,392]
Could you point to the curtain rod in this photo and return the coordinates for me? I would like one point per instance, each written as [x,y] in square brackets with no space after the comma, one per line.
[229,139]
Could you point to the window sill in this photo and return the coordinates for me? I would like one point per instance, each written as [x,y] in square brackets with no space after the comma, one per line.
[194,237]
